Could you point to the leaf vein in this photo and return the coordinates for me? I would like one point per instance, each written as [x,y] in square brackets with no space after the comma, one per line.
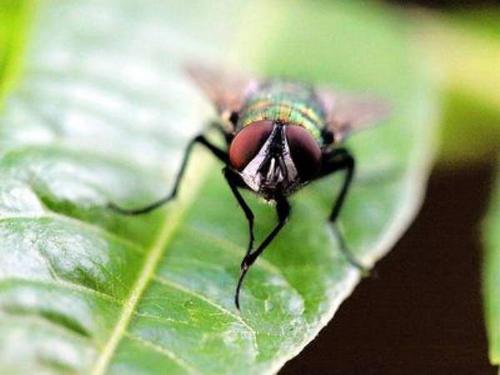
[67,285]
[153,257]
[162,350]
[163,280]
[235,248]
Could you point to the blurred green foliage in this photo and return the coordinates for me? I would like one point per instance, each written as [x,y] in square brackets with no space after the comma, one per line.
[483,20]
[463,51]
[14,15]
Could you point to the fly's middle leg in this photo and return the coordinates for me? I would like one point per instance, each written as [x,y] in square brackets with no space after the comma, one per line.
[335,161]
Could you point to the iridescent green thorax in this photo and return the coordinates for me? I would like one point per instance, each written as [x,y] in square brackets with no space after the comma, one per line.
[285,102]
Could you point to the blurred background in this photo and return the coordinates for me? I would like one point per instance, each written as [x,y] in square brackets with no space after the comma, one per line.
[392,324]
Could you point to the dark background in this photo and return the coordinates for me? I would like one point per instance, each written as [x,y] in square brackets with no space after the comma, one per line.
[422,313]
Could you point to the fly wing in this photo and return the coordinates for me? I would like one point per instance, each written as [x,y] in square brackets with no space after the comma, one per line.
[347,113]
[225,90]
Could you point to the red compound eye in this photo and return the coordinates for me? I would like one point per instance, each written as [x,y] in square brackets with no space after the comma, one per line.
[305,151]
[247,143]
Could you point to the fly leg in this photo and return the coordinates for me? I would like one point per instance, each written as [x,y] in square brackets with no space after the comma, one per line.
[341,160]
[283,211]
[200,139]
[234,181]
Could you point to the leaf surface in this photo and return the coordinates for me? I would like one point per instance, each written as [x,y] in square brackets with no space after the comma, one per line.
[104,113]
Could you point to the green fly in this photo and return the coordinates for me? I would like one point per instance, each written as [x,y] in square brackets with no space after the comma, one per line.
[280,135]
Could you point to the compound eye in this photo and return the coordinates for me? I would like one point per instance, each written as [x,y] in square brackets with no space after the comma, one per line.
[305,151]
[247,143]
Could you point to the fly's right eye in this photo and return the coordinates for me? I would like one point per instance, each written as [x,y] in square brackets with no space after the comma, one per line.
[247,143]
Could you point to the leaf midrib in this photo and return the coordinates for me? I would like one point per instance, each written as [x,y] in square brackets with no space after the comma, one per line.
[153,257]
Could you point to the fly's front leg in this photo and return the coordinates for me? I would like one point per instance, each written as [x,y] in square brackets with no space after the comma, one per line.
[200,139]
[341,160]
[283,211]
[233,180]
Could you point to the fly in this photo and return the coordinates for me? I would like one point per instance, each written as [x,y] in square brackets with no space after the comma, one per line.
[280,135]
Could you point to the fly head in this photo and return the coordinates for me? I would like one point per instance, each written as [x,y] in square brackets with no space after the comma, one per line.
[273,158]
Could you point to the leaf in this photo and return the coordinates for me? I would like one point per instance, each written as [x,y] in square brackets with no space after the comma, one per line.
[103,114]
[14,15]
[491,274]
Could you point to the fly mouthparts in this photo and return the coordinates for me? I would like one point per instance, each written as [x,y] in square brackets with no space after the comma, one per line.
[275,173]
[270,170]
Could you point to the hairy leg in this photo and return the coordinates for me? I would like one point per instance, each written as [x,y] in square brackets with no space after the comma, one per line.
[341,160]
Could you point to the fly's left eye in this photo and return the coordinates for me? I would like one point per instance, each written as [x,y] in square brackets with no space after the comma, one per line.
[247,143]
[305,151]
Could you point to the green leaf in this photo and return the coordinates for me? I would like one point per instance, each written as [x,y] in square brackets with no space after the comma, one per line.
[491,273]
[104,113]
[14,17]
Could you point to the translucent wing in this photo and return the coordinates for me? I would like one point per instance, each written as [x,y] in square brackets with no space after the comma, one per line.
[225,90]
[348,113]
